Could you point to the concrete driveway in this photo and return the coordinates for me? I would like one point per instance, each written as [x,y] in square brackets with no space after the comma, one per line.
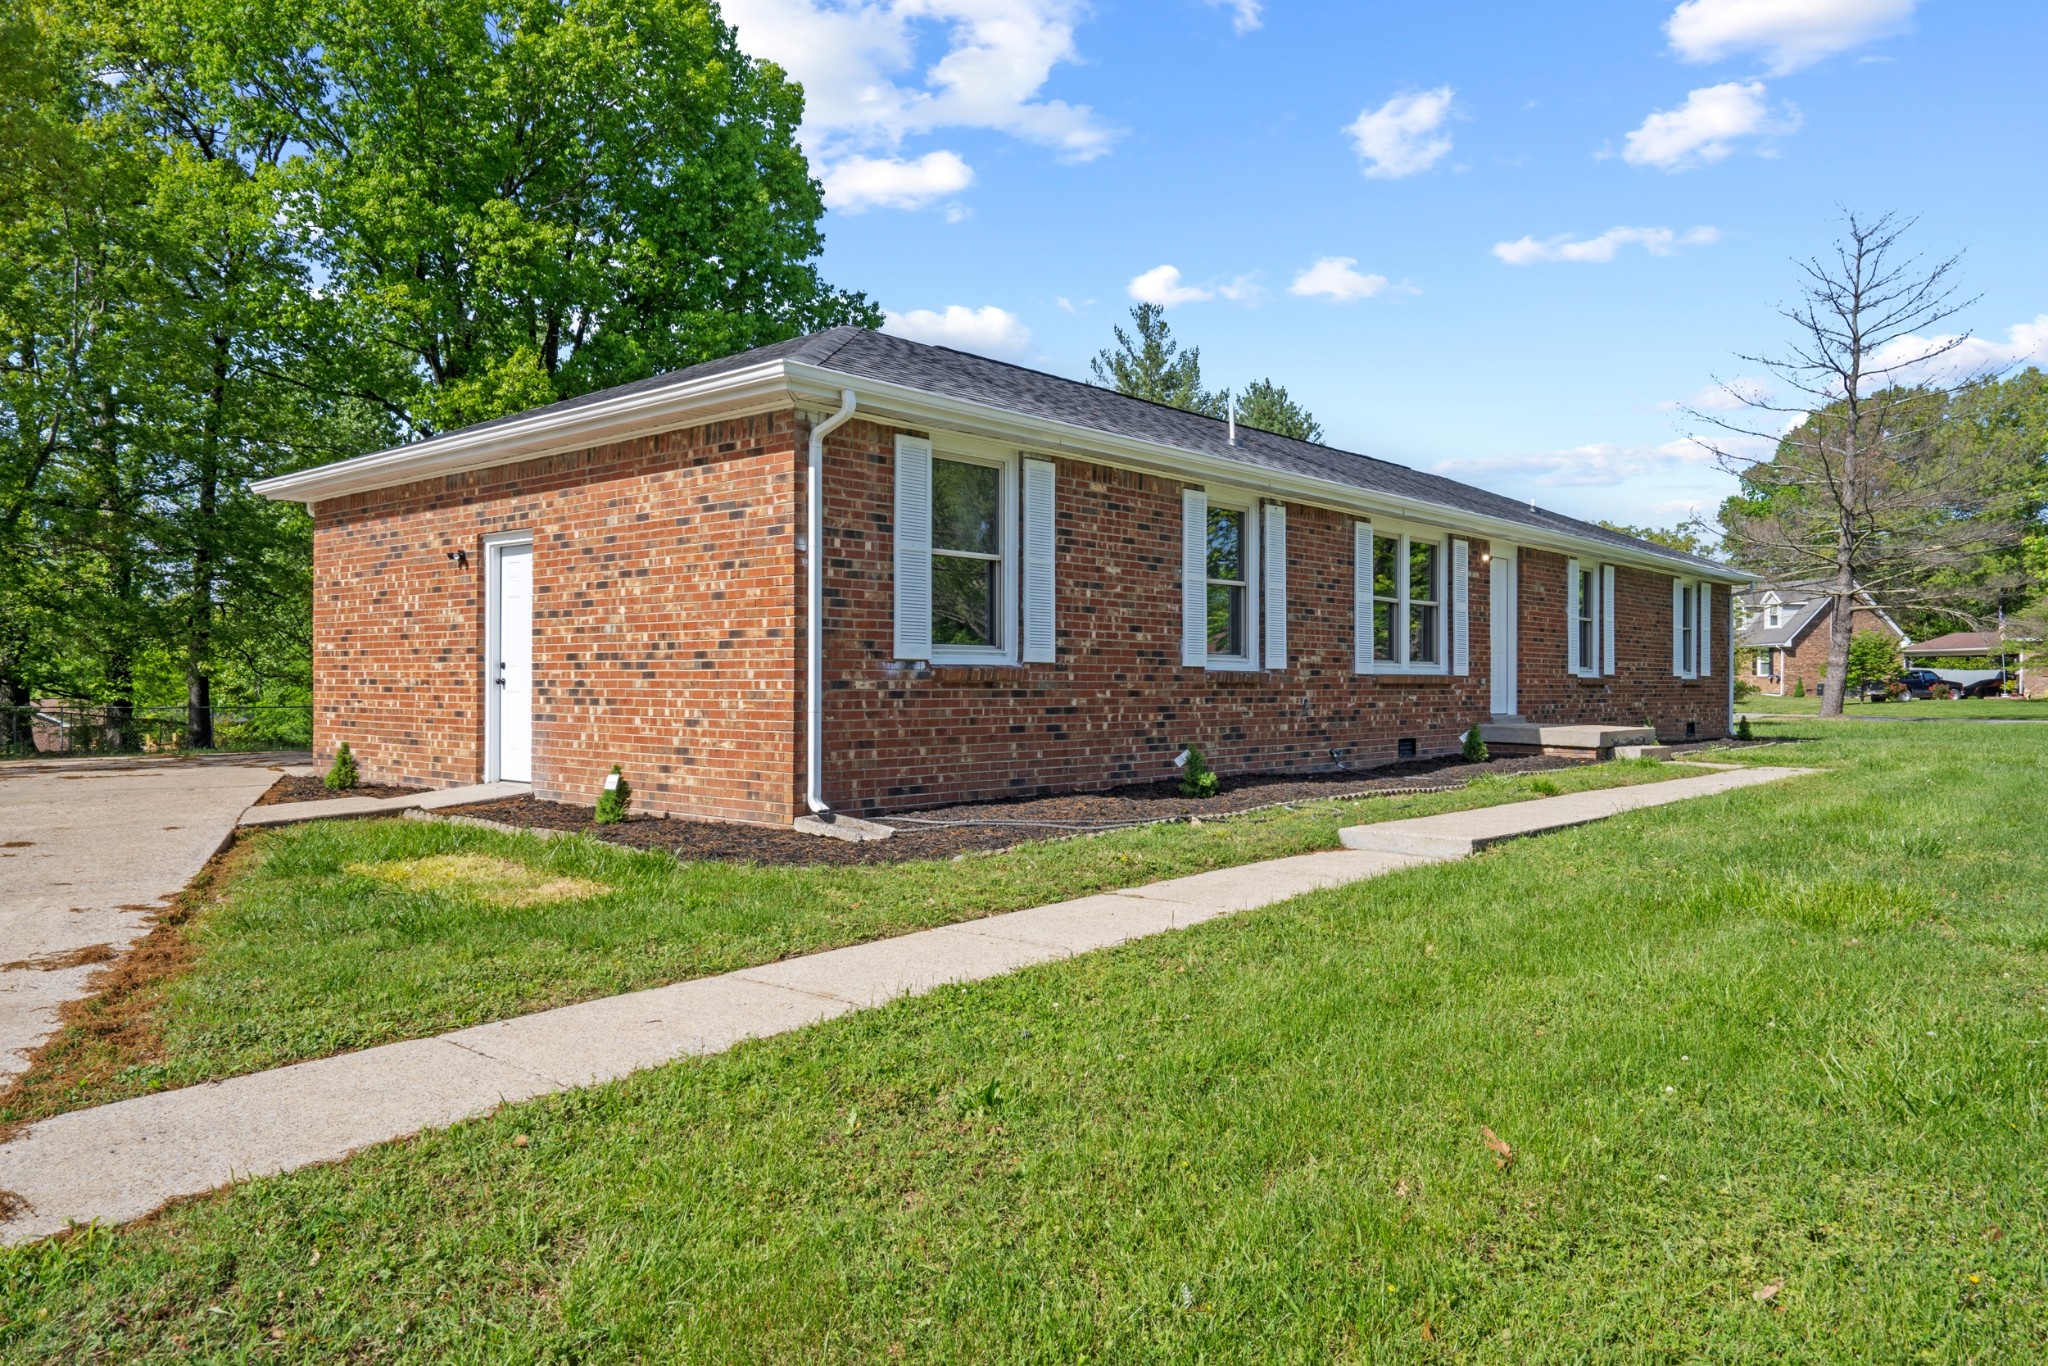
[89,849]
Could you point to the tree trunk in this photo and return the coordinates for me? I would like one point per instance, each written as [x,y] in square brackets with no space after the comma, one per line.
[1834,687]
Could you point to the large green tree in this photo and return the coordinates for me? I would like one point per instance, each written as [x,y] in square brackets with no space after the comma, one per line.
[1267,406]
[518,202]
[1148,363]
[242,236]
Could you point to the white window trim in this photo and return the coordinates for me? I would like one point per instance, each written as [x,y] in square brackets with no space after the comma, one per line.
[1008,583]
[1411,534]
[1591,665]
[1253,554]
[1685,628]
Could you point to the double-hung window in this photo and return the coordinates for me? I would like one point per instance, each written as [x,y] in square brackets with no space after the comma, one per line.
[1589,618]
[1692,630]
[969,535]
[974,545]
[1402,600]
[1229,578]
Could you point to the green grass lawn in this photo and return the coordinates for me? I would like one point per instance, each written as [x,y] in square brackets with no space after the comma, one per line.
[338,935]
[1771,1065]
[1973,708]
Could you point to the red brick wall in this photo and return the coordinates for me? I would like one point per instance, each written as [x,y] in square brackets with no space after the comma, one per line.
[1118,705]
[666,591]
[1642,686]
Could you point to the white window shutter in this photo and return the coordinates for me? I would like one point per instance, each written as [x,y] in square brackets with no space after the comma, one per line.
[1573,663]
[1039,647]
[1194,578]
[1461,608]
[1361,596]
[1607,618]
[1706,636]
[1275,585]
[913,536]
[1678,660]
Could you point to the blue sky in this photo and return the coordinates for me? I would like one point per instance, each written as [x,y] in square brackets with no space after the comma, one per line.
[1501,241]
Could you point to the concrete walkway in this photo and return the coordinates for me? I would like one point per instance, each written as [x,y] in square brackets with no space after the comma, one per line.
[295,813]
[118,1162]
[90,848]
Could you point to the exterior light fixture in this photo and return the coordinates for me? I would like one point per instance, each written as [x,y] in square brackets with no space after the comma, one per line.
[461,558]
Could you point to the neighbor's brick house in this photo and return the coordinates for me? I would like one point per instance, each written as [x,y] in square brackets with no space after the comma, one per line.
[1782,634]
[1027,585]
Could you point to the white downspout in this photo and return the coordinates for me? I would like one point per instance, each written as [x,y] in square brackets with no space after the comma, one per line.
[814,606]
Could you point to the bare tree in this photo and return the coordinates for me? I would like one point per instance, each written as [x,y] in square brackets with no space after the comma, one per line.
[1862,491]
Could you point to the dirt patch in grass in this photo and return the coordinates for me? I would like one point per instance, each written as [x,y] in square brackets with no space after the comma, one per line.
[294,787]
[115,1028]
[990,827]
[499,881]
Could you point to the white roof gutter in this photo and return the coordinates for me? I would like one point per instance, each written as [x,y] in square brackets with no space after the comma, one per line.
[814,607]
[777,383]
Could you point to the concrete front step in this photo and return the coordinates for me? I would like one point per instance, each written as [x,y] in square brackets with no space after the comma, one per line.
[1527,733]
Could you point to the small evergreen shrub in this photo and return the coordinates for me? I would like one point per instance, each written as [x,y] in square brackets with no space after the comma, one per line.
[342,776]
[1475,748]
[1197,779]
[612,800]
[1742,730]
[1799,687]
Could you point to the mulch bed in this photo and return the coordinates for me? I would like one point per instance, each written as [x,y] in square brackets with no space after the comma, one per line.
[296,788]
[988,827]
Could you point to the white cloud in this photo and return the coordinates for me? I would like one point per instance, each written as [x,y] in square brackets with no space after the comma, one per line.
[1792,33]
[2025,344]
[1725,396]
[1586,466]
[1333,277]
[988,331]
[1162,285]
[860,182]
[1706,127]
[1528,251]
[864,91]
[1402,137]
[1246,15]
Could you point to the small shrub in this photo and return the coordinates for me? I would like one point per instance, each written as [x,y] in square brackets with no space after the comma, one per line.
[1941,692]
[1197,779]
[1799,687]
[342,776]
[1475,748]
[1742,729]
[612,800]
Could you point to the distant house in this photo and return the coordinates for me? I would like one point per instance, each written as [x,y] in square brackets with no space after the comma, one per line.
[1957,644]
[1786,627]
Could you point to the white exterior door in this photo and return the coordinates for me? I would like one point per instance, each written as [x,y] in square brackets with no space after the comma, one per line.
[509,667]
[1502,611]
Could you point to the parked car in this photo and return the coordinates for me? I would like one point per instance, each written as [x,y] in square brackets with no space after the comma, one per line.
[1919,685]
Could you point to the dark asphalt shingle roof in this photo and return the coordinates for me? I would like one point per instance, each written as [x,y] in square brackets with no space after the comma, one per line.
[863,354]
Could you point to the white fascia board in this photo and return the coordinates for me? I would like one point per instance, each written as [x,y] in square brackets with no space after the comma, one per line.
[759,388]
[881,398]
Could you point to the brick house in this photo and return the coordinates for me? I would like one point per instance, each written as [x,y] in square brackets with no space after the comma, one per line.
[1782,633]
[1027,585]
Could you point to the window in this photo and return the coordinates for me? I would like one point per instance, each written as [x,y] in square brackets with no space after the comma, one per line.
[1405,597]
[1764,665]
[1586,619]
[967,556]
[1228,584]
[1425,603]
[1688,608]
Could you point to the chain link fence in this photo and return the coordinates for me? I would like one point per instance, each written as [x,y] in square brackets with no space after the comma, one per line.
[77,728]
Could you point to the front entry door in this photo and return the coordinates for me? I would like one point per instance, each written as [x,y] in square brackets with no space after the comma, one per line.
[1503,611]
[509,666]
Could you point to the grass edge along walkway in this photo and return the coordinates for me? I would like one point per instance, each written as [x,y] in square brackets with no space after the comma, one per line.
[122,1161]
